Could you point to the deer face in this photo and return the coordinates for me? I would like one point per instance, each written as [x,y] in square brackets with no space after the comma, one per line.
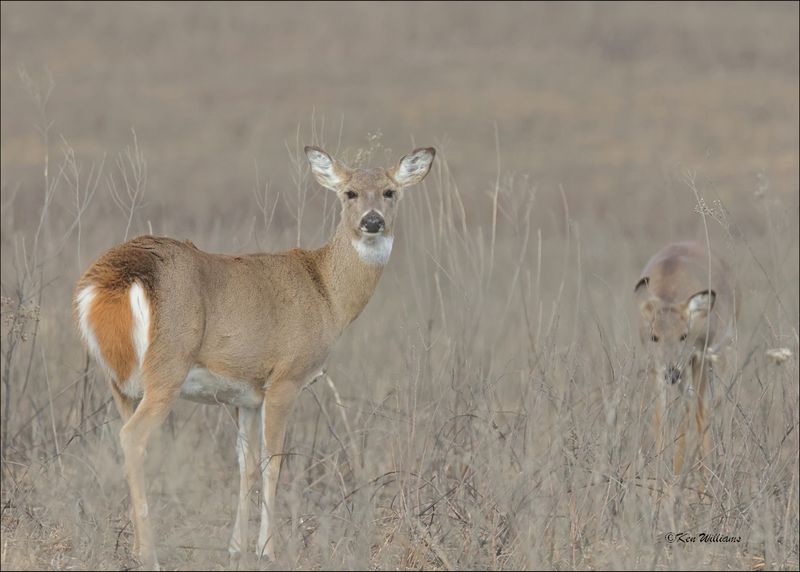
[369,197]
[673,332]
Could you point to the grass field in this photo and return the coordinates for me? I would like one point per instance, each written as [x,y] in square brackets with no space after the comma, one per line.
[489,407]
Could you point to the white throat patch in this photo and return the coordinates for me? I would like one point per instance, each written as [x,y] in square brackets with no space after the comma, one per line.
[374,250]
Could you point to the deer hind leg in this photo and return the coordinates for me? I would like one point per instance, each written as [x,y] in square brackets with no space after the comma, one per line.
[126,406]
[247,447]
[161,384]
[275,411]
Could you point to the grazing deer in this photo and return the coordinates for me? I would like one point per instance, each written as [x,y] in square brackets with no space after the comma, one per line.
[687,303]
[166,320]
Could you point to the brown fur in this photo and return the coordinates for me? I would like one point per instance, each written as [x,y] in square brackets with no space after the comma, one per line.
[263,320]
[110,316]
[677,335]
[138,261]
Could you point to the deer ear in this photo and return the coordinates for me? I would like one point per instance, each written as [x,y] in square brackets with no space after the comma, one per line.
[327,171]
[699,305]
[412,168]
[647,303]
[641,289]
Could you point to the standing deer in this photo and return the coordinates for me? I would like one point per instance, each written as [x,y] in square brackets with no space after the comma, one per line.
[166,320]
[687,310]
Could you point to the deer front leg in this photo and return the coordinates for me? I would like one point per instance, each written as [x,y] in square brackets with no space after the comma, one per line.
[658,439]
[679,454]
[247,448]
[702,375]
[658,425]
[275,410]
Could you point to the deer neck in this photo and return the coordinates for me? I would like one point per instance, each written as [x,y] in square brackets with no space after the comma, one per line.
[352,269]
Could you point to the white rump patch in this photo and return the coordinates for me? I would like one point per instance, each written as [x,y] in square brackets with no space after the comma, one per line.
[140,308]
[205,386]
[374,250]
[85,298]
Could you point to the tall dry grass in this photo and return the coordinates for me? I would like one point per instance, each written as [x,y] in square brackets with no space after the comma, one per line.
[487,410]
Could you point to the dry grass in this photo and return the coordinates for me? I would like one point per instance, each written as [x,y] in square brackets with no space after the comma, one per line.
[490,409]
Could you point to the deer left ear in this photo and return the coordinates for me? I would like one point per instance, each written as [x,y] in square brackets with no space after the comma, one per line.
[699,305]
[413,167]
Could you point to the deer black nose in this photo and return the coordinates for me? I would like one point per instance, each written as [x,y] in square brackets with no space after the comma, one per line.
[372,222]
[673,375]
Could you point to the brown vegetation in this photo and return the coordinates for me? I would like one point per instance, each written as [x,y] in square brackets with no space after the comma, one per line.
[488,409]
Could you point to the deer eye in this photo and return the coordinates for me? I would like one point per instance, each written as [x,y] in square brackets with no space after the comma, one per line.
[389,193]
[653,338]
[683,337]
[351,195]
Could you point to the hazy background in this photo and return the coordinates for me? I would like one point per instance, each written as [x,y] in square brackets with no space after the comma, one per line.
[492,411]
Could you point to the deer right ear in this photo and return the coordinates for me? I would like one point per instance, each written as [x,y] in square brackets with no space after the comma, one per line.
[327,171]
[700,304]
[413,167]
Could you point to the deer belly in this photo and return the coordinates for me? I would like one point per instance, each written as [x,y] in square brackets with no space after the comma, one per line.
[205,386]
